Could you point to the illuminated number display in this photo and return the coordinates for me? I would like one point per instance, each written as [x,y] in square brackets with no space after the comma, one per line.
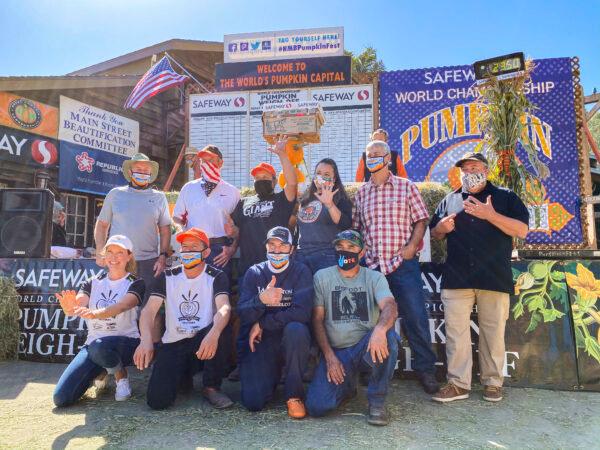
[499,66]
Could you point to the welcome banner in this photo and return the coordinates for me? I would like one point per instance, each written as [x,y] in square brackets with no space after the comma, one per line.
[431,117]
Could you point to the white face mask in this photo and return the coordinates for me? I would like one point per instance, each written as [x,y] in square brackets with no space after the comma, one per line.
[473,181]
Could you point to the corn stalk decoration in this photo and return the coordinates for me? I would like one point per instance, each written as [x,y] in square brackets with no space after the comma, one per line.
[503,117]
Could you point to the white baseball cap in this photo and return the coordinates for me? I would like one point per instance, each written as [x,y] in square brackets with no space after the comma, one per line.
[119,240]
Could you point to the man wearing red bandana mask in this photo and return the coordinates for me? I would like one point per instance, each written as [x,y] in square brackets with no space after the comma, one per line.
[207,203]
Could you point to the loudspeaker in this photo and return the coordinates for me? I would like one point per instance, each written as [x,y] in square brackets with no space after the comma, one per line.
[25,223]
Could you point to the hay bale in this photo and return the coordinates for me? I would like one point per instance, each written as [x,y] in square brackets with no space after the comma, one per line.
[9,319]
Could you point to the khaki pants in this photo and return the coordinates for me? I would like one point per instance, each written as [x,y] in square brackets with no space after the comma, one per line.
[492,313]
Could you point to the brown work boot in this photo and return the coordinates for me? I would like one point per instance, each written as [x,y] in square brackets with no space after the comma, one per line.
[492,393]
[296,409]
[450,392]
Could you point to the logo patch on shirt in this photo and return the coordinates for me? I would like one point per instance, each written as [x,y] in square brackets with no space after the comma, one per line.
[310,212]
[189,308]
[259,209]
[349,306]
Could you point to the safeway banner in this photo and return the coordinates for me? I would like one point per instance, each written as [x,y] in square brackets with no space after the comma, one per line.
[431,116]
[21,147]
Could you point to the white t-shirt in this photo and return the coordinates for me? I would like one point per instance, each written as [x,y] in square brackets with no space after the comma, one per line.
[206,213]
[104,292]
[189,302]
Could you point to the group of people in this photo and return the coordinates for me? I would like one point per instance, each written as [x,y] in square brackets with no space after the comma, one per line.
[338,283]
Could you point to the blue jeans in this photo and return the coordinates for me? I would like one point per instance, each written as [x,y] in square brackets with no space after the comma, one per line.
[176,362]
[111,353]
[317,260]
[260,371]
[407,286]
[324,397]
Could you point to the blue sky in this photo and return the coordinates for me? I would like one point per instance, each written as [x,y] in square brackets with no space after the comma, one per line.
[53,37]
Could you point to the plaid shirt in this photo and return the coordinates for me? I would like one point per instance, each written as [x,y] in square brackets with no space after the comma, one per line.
[385,215]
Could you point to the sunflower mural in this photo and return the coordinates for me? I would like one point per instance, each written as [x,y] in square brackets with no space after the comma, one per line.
[585,290]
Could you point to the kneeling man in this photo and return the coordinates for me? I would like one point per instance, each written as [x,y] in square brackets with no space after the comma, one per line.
[275,305]
[353,322]
[196,299]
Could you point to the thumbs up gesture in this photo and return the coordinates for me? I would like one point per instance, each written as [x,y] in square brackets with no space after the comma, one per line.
[478,209]
[271,295]
[68,301]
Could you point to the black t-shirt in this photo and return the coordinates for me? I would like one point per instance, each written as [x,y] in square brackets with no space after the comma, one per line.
[59,235]
[478,252]
[254,217]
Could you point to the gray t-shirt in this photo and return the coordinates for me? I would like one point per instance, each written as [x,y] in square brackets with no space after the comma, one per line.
[351,304]
[137,214]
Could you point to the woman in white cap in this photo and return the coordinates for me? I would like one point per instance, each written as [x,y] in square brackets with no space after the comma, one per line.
[109,303]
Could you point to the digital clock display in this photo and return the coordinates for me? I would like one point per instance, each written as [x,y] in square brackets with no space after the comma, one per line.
[500,66]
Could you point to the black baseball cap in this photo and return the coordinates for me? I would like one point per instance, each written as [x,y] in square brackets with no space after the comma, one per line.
[471,156]
[281,233]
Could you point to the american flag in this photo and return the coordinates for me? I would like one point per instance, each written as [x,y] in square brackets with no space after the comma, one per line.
[160,77]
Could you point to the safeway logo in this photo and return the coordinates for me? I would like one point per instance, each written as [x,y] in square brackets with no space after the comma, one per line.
[363,95]
[85,163]
[239,102]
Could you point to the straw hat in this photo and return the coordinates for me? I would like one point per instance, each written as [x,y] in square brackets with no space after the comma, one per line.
[140,157]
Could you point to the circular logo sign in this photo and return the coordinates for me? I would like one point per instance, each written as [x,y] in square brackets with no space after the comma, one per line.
[44,152]
[25,113]
[363,95]
[240,101]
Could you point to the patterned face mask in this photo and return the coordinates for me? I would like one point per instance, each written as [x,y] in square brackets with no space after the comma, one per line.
[472,181]
[375,163]
[191,259]
[210,172]
[140,179]
[321,180]
[278,260]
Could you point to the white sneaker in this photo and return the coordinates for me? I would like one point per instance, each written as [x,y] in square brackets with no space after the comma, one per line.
[123,391]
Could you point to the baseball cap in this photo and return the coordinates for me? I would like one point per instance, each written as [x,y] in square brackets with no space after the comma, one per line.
[265,167]
[119,240]
[210,150]
[281,233]
[195,233]
[352,236]
[471,156]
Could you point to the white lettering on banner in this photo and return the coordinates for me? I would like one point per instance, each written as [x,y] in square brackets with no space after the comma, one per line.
[427,277]
[96,128]
[445,76]
[12,145]
[56,278]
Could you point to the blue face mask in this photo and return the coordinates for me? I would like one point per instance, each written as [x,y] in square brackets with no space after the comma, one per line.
[376,163]
[278,260]
[140,179]
[191,259]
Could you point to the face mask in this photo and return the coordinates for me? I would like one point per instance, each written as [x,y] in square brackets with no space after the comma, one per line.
[263,187]
[210,172]
[472,181]
[191,259]
[278,260]
[346,260]
[140,179]
[321,180]
[376,163]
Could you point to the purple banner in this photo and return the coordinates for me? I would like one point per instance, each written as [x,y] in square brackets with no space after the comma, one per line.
[430,115]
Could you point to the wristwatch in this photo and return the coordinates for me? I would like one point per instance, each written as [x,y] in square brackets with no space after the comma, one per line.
[165,254]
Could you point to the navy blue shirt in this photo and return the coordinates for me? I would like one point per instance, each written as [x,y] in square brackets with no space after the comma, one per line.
[479,253]
[296,304]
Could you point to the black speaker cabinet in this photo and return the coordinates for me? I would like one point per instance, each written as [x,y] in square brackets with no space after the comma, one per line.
[25,223]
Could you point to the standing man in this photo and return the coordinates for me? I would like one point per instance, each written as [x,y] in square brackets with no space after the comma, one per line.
[196,302]
[207,203]
[254,216]
[479,220]
[353,322]
[396,166]
[392,216]
[275,305]
[142,214]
